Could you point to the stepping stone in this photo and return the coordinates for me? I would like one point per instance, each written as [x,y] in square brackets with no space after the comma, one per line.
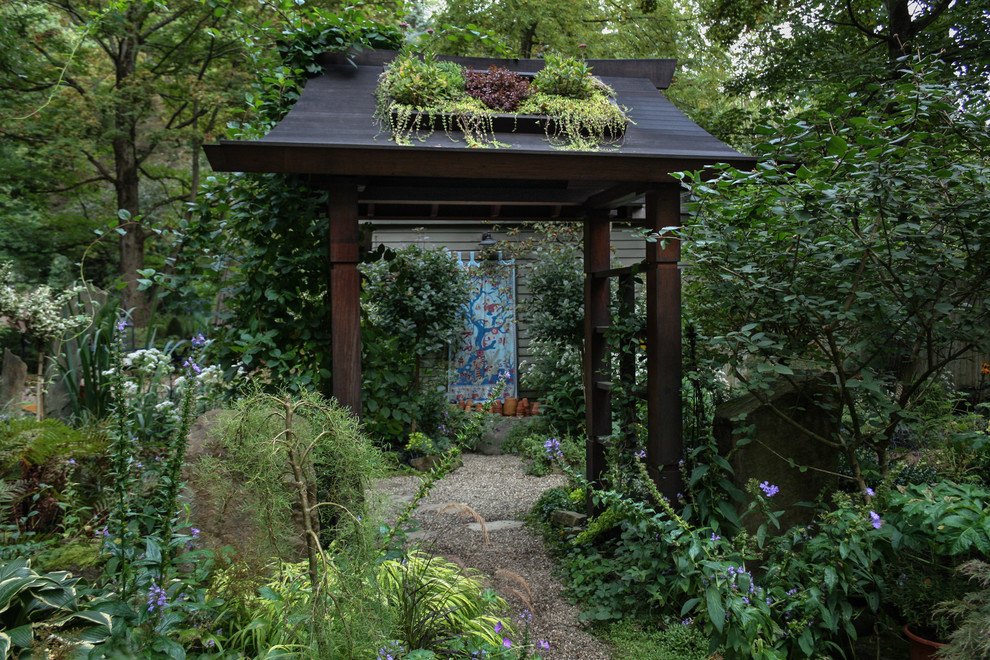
[419,535]
[497,525]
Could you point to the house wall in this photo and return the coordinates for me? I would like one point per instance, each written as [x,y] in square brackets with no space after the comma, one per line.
[627,248]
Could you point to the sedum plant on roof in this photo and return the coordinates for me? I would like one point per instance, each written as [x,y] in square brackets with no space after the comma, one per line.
[417,93]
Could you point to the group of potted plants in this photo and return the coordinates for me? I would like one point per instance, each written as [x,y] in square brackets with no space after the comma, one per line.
[419,94]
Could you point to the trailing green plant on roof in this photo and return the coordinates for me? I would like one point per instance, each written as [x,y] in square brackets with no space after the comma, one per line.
[416,95]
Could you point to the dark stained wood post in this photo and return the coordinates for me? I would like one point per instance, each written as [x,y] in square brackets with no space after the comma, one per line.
[626,299]
[345,294]
[663,341]
[597,397]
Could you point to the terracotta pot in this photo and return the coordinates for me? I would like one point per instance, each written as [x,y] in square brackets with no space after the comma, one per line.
[523,408]
[479,407]
[534,408]
[921,648]
[509,407]
[497,408]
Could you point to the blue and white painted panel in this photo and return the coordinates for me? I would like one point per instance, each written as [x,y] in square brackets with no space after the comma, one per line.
[486,348]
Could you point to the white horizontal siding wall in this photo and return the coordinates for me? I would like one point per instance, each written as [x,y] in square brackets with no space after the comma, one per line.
[628,248]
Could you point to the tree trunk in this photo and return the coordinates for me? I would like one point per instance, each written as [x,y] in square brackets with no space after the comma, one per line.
[127,179]
[899,19]
[526,47]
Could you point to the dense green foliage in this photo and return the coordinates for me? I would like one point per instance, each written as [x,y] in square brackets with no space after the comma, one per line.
[865,260]
[855,250]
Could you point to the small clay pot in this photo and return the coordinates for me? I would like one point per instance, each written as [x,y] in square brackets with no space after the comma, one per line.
[523,408]
[497,408]
[509,407]
[479,407]
[534,408]
[920,647]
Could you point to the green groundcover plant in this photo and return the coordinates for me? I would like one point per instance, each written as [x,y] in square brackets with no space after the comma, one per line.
[772,592]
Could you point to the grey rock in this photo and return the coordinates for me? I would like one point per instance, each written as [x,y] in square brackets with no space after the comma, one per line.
[496,525]
[12,382]
[781,446]
[564,518]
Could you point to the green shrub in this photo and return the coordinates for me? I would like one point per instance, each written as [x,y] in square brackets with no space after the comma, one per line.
[565,76]
[342,617]
[672,640]
[422,81]
[267,436]
[533,447]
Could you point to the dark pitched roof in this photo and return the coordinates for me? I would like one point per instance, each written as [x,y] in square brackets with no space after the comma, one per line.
[331,131]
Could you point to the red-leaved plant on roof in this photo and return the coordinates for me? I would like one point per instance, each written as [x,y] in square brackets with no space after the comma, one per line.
[498,88]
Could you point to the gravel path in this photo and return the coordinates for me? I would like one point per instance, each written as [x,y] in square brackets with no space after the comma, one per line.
[498,490]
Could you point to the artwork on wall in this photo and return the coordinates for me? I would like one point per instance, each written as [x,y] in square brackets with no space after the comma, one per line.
[486,347]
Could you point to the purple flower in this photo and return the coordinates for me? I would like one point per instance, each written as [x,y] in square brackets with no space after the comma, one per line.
[430,30]
[552,447]
[641,454]
[875,520]
[870,492]
[498,627]
[582,45]
[507,643]
[198,341]
[403,24]
[716,537]
[121,324]
[157,598]
[769,489]
[543,644]
[195,533]
[687,622]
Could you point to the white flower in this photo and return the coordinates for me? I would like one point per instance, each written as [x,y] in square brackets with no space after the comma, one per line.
[37,313]
[149,361]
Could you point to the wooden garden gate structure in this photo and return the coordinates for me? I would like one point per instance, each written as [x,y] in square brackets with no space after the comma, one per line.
[332,137]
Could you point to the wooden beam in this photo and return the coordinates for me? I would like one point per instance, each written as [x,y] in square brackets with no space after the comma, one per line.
[619,195]
[663,343]
[345,295]
[659,71]
[471,196]
[597,401]
[412,161]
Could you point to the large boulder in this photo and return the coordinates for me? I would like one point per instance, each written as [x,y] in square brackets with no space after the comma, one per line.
[782,449]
